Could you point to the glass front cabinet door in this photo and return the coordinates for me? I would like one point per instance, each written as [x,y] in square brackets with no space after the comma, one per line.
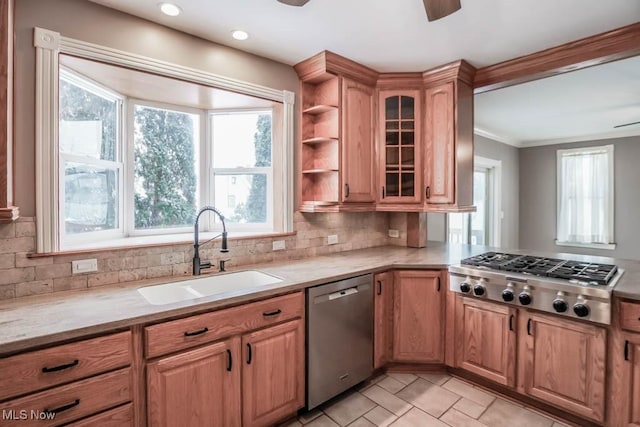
[399,150]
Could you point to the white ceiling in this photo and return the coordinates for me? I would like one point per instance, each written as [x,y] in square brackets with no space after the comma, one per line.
[392,35]
[577,106]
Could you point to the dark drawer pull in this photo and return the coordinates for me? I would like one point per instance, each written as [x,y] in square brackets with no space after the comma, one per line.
[62,408]
[511,322]
[199,332]
[249,354]
[529,327]
[438,283]
[626,350]
[379,287]
[60,367]
[272,313]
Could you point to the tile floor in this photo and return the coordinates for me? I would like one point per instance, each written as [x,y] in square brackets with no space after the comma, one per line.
[421,400]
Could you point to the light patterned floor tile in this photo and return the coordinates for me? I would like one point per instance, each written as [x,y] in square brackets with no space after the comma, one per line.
[387,400]
[429,397]
[362,422]
[456,418]
[292,423]
[309,416]
[391,384]
[466,390]
[403,377]
[349,408]
[416,418]
[322,421]
[380,416]
[557,424]
[469,407]
[436,378]
[505,414]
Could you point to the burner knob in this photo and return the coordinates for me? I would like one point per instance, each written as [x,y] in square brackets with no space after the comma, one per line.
[524,298]
[465,287]
[507,295]
[478,290]
[581,310]
[560,305]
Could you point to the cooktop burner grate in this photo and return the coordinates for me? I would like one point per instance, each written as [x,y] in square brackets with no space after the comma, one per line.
[593,274]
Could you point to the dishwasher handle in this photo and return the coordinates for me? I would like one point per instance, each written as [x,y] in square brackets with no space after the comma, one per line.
[343,293]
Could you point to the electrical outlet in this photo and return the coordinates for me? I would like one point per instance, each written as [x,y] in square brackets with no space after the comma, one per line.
[332,239]
[84,266]
[394,233]
[278,245]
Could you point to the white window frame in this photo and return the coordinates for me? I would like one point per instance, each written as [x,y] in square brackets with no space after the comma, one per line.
[95,88]
[270,171]
[49,44]
[609,150]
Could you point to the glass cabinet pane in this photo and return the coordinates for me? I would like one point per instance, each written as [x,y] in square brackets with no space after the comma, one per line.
[407,107]
[399,150]
[392,108]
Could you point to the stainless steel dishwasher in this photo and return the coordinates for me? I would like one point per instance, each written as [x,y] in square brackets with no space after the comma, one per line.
[339,337]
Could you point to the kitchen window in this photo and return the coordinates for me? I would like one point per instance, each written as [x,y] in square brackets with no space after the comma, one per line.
[121,162]
[585,197]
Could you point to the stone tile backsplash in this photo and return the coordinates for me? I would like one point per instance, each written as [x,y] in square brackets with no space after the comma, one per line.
[22,276]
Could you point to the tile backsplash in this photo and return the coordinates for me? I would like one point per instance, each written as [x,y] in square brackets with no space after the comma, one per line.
[22,276]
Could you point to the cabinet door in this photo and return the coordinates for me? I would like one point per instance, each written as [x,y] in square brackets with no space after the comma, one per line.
[357,142]
[273,373]
[486,340]
[399,147]
[565,364]
[383,319]
[418,334]
[196,388]
[439,140]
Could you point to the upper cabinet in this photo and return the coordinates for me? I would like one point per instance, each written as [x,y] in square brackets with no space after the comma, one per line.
[387,142]
[448,138]
[337,135]
[399,165]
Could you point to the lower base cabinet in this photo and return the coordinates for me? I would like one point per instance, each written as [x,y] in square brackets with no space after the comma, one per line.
[253,380]
[272,373]
[486,343]
[197,388]
[624,393]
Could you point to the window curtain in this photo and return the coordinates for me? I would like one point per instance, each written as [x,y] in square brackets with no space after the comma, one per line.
[585,211]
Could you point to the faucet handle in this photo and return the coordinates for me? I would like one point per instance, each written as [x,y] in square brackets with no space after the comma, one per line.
[221,264]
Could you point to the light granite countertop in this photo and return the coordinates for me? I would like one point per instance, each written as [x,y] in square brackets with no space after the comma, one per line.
[42,320]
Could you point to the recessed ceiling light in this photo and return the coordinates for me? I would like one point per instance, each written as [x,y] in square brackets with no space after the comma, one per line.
[239,35]
[170,9]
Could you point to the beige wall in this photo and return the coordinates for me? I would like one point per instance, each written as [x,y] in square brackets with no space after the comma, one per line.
[83,20]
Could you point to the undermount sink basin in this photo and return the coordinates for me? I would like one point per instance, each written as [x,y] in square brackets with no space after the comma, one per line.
[206,286]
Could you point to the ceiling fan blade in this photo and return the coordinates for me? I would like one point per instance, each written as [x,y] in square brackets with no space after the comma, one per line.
[627,124]
[437,9]
[294,2]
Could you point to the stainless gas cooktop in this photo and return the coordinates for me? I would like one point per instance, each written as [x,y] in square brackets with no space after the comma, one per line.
[565,287]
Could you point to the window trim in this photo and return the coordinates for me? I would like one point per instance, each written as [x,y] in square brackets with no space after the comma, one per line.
[49,44]
[609,150]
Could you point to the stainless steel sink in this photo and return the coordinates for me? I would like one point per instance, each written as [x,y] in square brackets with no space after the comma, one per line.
[207,286]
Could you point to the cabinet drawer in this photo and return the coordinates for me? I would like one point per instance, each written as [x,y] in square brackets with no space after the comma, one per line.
[630,316]
[69,402]
[121,416]
[195,330]
[36,370]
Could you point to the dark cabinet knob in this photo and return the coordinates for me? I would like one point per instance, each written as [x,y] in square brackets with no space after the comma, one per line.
[507,295]
[478,290]
[560,305]
[525,299]
[465,287]
[581,310]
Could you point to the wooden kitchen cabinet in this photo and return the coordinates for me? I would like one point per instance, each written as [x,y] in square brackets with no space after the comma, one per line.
[418,308]
[272,373]
[357,142]
[383,319]
[448,133]
[199,387]
[337,135]
[564,363]
[486,340]
[624,410]
[399,162]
